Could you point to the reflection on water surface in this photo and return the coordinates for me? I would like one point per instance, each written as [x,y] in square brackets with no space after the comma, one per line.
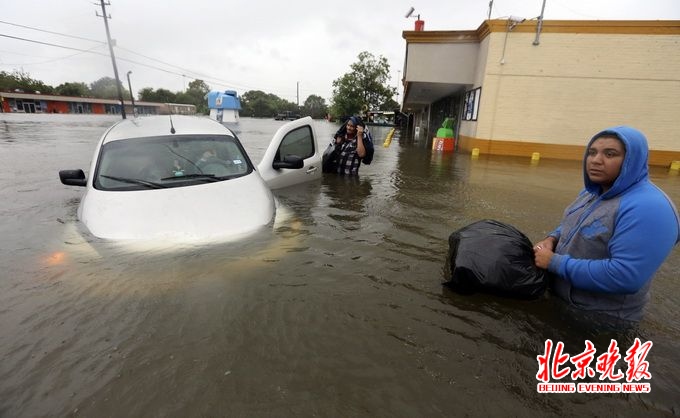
[337,310]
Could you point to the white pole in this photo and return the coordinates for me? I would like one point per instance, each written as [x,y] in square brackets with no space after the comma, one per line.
[539,25]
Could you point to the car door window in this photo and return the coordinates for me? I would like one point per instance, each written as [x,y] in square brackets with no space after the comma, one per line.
[299,142]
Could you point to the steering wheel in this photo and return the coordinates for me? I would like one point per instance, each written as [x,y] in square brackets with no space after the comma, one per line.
[217,167]
[150,173]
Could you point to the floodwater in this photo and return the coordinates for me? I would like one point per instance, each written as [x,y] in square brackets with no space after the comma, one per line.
[336,311]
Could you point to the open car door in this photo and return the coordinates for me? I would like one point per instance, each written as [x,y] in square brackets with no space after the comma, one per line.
[293,156]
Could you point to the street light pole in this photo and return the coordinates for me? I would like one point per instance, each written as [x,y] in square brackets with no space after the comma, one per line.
[132,96]
[398,81]
[539,25]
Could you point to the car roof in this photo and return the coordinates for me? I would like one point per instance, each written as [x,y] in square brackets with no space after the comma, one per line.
[161,125]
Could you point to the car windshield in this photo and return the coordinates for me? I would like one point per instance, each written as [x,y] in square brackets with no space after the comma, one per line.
[169,161]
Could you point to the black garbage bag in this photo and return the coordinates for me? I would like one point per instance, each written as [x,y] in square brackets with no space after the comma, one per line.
[493,257]
[329,161]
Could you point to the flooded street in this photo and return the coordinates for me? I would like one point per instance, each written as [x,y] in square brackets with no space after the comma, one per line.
[338,310]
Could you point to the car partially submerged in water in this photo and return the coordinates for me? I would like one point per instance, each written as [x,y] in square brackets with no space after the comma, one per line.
[188,178]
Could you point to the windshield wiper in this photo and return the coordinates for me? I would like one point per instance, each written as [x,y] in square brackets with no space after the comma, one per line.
[149,184]
[208,177]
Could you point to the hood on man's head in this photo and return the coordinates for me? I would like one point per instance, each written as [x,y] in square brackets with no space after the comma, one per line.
[634,167]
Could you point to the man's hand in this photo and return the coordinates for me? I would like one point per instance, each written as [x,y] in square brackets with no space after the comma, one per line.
[543,252]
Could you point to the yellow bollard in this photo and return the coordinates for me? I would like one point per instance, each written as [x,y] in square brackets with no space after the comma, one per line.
[475,153]
[535,156]
[675,165]
[388,138]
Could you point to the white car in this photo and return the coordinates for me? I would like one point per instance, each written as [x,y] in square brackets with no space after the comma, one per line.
[188,178]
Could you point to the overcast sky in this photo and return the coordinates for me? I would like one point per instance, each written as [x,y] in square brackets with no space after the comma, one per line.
[255,44]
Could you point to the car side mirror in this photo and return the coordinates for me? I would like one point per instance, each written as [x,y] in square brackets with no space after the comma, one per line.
[73,177]
[289,161]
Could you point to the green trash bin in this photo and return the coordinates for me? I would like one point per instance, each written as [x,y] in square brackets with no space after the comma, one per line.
[444,141]
[446,131]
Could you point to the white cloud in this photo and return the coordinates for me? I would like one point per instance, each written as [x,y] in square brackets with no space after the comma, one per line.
[246,45]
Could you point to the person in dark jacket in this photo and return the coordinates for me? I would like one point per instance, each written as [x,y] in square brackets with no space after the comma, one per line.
[352,143]
[616,234]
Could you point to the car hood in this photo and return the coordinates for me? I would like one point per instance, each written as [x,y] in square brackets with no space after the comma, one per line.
[217,210]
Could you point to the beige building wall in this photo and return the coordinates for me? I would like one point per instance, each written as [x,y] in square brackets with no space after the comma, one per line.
[582,77]
[444,68]
[469,128]
[574,84]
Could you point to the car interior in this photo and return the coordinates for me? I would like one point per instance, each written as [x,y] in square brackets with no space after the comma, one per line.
[168,162]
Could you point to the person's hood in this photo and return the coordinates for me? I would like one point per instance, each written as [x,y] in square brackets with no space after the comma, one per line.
[634,167]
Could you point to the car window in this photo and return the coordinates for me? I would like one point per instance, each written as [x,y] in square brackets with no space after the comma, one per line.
[169,161]
[299,142]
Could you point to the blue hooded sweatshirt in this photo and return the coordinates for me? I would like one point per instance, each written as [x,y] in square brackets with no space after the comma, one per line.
[609,245]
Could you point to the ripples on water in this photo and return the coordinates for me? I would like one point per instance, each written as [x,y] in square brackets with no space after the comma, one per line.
[338,310]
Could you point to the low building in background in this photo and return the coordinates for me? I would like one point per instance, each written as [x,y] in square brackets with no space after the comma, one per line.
[15,102]
[514,87]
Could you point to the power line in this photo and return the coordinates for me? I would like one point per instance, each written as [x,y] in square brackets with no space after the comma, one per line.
[55,59]
[48,44]
[197,75]
[157,60]
[96,53]
[189,72]
[211,79]
[186,72]
[49,31]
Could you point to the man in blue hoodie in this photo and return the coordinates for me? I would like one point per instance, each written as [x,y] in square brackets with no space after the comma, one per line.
[617,232]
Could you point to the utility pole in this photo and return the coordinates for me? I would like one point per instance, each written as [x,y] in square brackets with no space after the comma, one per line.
[298,94]
[113,57]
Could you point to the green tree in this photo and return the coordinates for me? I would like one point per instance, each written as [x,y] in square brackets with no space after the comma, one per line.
[390,104]
[105,88]
[195,95]
[364,87]
[254,103]
[18,79]
[257,103]
[73,89]
[315,106]
[147,94]
[165,96]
